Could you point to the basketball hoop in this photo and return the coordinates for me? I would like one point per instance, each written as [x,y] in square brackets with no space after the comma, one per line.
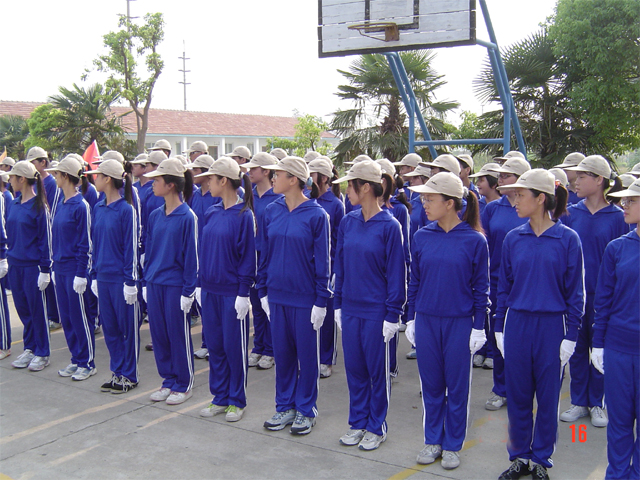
[390,30]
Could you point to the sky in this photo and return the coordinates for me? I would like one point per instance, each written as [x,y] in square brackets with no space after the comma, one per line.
[246,56]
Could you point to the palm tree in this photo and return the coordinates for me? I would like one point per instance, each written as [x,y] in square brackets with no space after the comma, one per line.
[550,128]
[377,122]
[13,132]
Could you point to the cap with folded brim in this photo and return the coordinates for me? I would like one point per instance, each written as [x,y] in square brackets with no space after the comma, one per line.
[141,159]
[156,157]
[198,146]
[632,191]
[80,159]
[8,161]
[595,164]
[446,162]
[387,166]
[560,175]
[420,170]
[443,183]
[171,166]
[23,169]
[69,165]
[203,161]
[635,170]
[240,151]
[311,155]
[35,153]
[535,179]
[488,169]
[161,145]
[466,159]
[296,166]
[261,159]
[111,168]
[409,160]
[279,153]
[110,155]
[367,170]
[321,166]
[571,160]
[515,165]
[358,159]
[225,167]
[627,179]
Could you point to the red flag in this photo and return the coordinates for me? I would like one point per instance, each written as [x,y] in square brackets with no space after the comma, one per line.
[91,154]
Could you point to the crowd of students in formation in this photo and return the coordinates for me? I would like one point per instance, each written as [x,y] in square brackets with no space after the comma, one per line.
[524,272]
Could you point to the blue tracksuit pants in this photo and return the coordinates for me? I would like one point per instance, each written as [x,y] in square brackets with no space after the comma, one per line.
[78,327]
[328,337]
[262,343]
[366,362]
[444,364]
[121,328]
[295,348]
[622,389]
[587,384]
[171,337]
[499,387]
[30,304]
[227,343]
[52,304]
[532,369]
[5,320]
[92,306]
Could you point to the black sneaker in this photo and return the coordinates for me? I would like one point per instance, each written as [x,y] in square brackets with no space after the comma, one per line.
[123,385]
[108,386]
[517,469]
[539,472]
[149,347]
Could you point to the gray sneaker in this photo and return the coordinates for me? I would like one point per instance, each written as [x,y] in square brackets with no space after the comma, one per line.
[302,425]
[478,360]
[82,373]
[69,370]
[598,417]
[495,402]
[212,410]
[54,325]
[574,413]
[23,360]
[488,364]
[429,454]
[38,363]
[450,460]
[266,362]
[325,371]
[254,358]
[352,437]
[371,441]
[280,420]
[201,353]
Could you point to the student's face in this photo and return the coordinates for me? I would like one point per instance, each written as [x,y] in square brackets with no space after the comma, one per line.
[162,188]
[100,182]
[507,179]
[356,197]
[435,170]
[587,184]
[216,185]
[257,174]
[631,207]
[483,186]
[150,167]
[282,182]
[15,182]
[194,155]
[240,160]
[571,176]
[5,168]
[417,180]
[199,180]
[403,170]
[435,206]
[137,170]
[526,203]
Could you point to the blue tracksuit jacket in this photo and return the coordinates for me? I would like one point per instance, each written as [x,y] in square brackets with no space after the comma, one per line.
[71,237]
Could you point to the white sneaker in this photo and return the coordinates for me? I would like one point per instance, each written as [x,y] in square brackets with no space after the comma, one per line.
[54,325]
[23,360]
[212,410]
[495,402]
[234,413]
[598,417]
[4,354]
[574,413]
[371,441]
[82,373]
[160,395]
[429,454]
[403,327]
[488,363]
[266,362]
[450,460]
[325,371]
[254,358]
[201,353]
[176,398]
[352,437]
[68,370]
[478,360]
[38,363]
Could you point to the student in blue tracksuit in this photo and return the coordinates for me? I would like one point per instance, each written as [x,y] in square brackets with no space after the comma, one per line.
[29,260]
[293,281]
[597,222]
[261,355]
[616,341]
[418,217]
[323,173]
[227,272]
[466,170]
[38,157]
[71,254]
[540,304]
[170,274]
[200,203]
[115,233]
[5,321]
[448,304]
[370,292]
[347,204]
[571,160]
[499,218]
[407,165]
[487,180]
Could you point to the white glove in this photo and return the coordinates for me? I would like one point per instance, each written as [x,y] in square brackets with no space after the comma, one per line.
[410,332]
[199,296]
[597,359]
[142,262]
[43,281]
[317,317]
[53,277]
[130,294]
[4,267]
[477,340]
[264,302]
[79,285]
[500,342]
[185,303]
[337,317]
[144,294]
[389,330]
[242,307]
[94,287]
[332,283]
[567,347]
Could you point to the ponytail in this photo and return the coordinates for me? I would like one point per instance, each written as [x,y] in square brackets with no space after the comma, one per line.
[401,196]
[315,191]
[335,187]
[128,185]
[388,184]
[184,185]
[188,185]
[556,204]
[41,197]
[248,193]
[472,214]
[85,183]
[616,187]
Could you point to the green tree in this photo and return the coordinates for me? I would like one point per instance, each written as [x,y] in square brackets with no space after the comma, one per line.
[13,132]
[43,123]
[598,49]
[472,126]
[308,135]
[126,70]
[376,124]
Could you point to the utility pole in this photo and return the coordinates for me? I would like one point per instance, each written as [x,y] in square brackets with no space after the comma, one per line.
[184,73]
[129,18]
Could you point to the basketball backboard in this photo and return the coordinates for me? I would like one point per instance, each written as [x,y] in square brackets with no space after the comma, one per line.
[347,27]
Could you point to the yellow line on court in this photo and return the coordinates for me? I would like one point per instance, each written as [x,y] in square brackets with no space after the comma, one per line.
[175,414]
[73,455]
[5,477]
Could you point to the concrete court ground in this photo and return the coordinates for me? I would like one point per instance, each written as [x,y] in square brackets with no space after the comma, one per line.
[55,428]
